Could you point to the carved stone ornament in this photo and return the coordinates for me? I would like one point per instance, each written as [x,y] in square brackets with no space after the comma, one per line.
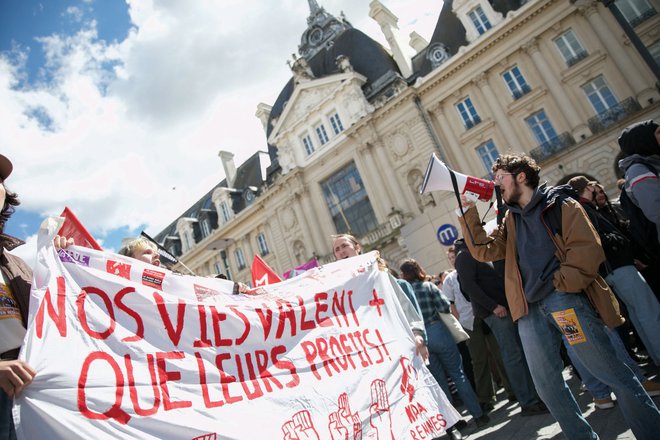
[288,219]
[437,54]
[400,145]
[286,158]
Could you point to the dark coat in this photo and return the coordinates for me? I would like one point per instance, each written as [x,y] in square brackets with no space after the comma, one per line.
[17,273]
[480,281]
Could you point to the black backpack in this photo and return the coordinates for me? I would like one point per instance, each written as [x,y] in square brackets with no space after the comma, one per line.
[643,231]
[618,248]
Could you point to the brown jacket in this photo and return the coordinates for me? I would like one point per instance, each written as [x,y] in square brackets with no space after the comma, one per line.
[17,273]
[579,245]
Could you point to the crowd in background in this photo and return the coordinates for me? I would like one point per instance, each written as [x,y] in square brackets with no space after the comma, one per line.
[521,293]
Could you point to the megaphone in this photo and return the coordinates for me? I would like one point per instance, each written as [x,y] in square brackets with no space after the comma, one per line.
[438,177]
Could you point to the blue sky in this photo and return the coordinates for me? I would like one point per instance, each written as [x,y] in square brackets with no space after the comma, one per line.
[118,109]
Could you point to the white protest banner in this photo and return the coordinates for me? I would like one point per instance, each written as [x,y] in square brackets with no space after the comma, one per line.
[123,349]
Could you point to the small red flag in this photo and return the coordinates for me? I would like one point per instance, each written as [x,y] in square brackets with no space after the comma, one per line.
[262,274]
[72,228]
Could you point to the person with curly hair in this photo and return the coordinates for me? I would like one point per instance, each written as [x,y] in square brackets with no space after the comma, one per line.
[551,254]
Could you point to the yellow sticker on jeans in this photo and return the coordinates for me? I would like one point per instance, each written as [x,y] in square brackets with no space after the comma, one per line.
[570,326]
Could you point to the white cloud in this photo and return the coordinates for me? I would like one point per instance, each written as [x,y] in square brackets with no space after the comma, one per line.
[188,79]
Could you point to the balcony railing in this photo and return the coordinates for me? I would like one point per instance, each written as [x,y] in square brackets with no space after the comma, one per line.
[576,58]
[521,91]
[612,115]
[552,146]
[642,17]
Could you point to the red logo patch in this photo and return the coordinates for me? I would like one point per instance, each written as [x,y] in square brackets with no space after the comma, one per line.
[153,278]
[120,269]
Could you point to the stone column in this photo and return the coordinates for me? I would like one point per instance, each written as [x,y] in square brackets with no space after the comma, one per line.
[454,146]
[498,112]
[364,162]
[308,237]
[392,181]
[568,111]
[314,230]
[630,70]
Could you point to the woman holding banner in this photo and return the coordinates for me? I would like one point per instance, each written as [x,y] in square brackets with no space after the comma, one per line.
[346,246]
[15,374]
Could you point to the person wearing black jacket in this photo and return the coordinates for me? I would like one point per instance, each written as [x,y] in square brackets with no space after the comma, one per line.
[620,273]
[485,287]
[648,265]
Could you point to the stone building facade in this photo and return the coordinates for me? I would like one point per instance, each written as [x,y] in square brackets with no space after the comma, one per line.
[350,135]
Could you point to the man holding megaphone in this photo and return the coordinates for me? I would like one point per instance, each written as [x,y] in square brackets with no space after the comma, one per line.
[552,254]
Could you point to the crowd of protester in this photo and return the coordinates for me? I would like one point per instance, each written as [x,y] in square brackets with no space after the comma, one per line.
[523,291]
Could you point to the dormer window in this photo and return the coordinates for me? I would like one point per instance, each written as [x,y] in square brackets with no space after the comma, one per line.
[206,228]
[224,212]
[479,20]
[184,227]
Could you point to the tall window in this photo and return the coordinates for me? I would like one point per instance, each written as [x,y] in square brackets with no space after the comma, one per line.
[206,228]
[654,49]
[224,212]
[348,202]
[240,259]
[261,242]
[321,134]
[600,95]
[337,126]
[635,11]
[468,113]
[479,20]
[488,154]
[570,48]
[515,81]
[307,144]
[542,128]
[217,267]
[184,241]
[225,263]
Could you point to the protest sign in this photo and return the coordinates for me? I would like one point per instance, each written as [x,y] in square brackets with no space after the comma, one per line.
[123,349]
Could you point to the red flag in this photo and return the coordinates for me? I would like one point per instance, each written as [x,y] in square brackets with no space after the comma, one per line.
[262,274]
[72,228]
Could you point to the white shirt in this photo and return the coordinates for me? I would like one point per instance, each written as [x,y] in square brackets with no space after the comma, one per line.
[452,290]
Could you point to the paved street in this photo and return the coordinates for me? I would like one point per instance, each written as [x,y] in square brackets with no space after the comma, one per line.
[506,422]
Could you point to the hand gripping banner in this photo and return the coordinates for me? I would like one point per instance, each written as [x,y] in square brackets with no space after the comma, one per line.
[123,349]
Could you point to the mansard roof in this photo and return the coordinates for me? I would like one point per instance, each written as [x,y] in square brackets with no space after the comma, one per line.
[450,33]
[365,55]
[248,174]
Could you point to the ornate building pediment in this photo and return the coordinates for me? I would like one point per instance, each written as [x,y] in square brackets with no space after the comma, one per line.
[309,98]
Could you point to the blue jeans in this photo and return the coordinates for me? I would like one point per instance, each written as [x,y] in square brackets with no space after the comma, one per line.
[597,388]
[541,338]
[444,360]
[643,307]
[513,358]
[7,431]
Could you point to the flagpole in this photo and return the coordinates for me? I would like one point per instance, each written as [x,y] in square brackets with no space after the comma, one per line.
[166,253]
